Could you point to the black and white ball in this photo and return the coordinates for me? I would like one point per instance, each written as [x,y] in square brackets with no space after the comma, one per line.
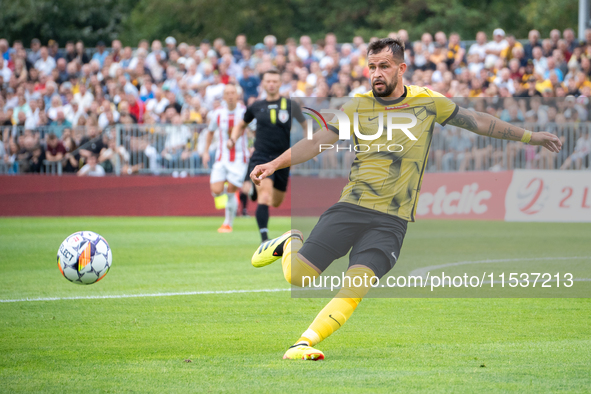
[84,258]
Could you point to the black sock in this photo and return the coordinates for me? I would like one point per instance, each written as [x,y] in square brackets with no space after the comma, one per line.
[262,216]
[243,201]
[253,193]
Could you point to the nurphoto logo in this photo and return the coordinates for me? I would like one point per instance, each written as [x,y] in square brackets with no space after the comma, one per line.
[394,121]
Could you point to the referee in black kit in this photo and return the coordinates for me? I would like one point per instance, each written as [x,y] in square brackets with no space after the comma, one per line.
[273,127]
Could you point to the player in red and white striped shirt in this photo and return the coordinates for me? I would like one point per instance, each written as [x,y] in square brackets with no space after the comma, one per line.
[230,164]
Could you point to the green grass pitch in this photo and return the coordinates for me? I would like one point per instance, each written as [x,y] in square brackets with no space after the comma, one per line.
[235,341]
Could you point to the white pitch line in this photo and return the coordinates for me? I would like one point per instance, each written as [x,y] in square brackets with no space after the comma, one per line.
[417,272]
[423,270]
[102,297]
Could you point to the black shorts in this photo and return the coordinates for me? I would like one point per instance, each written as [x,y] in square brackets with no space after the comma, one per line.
[280,178]
[375,238]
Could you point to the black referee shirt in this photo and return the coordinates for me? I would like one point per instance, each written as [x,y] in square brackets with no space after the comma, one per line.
[273,124]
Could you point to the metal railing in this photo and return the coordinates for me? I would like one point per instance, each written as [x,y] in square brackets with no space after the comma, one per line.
[159,149]
[47,168]
[52,167]
[456,150]
[9,168]
[16,131]
[176,149]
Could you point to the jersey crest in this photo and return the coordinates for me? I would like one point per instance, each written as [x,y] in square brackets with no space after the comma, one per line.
[283,112]
[283,115]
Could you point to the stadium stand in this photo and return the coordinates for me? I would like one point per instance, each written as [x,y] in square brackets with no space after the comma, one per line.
[142,110]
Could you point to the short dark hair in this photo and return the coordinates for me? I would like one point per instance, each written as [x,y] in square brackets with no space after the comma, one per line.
[270,71]
[394,45]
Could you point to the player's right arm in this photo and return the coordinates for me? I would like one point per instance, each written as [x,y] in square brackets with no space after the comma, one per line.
[301,152]
[487,125]
[211,128]
[205,155]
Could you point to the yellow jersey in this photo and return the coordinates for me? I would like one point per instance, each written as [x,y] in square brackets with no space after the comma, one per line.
[387,172]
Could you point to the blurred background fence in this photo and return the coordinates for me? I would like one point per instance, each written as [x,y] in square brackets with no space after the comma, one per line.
[176,150]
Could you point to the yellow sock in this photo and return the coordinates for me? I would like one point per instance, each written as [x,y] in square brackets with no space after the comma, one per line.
[220,200]
[339,309]
[294,268]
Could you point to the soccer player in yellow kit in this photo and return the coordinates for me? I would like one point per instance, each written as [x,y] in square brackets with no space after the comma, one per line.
[371,217]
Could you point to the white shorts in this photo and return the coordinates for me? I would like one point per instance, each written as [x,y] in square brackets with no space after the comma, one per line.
[233,172]
[579,155]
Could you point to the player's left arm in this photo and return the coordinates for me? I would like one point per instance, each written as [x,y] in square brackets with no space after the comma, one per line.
[487,125]
[298,115]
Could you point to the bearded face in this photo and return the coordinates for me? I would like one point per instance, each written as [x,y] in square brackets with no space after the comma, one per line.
[382,87]
[384,72]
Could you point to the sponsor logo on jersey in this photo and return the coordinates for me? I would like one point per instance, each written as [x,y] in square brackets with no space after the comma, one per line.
[397,107]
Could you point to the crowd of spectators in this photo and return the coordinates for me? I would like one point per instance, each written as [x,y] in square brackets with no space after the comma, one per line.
[62,99]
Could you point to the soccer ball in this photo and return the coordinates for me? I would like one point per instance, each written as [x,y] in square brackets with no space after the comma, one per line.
[84,258]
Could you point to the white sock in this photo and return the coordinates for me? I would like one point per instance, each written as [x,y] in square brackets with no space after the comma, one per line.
[231,208]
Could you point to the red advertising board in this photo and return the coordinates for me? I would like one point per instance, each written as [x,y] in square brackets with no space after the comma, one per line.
[467,195]
[38,195]
[549,196]
[520,195]
[470,195]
